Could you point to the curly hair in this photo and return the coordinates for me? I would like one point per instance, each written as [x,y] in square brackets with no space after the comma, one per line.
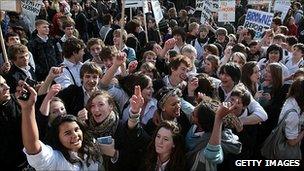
[177,160]
[88,148]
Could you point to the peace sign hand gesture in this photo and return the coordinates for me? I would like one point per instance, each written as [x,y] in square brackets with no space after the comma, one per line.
[136,100]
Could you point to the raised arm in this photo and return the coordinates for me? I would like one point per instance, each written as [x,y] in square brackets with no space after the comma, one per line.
[54,72]
[136,103]
[30,134]
[45,106]
[213,151]
[119,60]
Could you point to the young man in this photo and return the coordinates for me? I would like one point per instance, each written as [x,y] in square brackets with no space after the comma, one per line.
[44,50]
[180,36]
[73,51]
[230,75]
[20,69]
[94,47]
[75,97]
[11,154]
[10,40]
[296,61]
[108,21]
[131,56]
[193,29]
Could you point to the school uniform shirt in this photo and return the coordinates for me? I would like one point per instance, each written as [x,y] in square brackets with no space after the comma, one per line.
[148,113]
[49,159]
[70,74]
[262,66]
[292,68]
[292,126]
[253,108]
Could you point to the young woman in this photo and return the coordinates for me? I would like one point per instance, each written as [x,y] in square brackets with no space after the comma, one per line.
[251,76]
[166,151]
[71,147]
[294,132]
[271,96]
[211,65]
[168,108]
[239,58]
[274,53]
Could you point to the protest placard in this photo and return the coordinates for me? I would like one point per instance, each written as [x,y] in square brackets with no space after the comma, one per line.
[199,5]
[206,12]
[282,10]
[30,9]
[215,5]
[227,11]
[258,2]
[259,21]
[157,11]
[133,3]
[10,5]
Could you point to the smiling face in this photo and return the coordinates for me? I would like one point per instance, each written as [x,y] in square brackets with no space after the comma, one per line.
[70,136]
[90,81]
[100,108]
[164,142]
[4,90]
[274,56]
[226,80]
[208,67]
[172,107]
[180,73]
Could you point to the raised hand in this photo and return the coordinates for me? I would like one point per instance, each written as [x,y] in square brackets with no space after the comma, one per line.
[170,43]
[54,91]
[22,88]
[5,67]
[132,66]
[225,108]
[192,85]
[136,100]
[83,114]
[55,71]
[120,59]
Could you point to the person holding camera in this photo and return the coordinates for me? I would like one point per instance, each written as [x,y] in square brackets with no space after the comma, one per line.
[69,147]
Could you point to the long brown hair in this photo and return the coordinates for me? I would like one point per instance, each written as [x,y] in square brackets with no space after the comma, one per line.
[247,71]
[277,77]
[177,160]
[296,91]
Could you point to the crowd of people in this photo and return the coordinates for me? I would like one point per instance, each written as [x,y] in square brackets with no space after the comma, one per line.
[92,89]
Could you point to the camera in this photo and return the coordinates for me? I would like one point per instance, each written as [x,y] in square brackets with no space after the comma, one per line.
[105,140]
[25,95]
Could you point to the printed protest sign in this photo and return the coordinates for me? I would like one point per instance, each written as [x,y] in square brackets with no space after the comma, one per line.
[259,21]
[199,5]
[282,7]
[215,5]
[227,11]
[206,12]
[258,2]
[157,11]
[30,9]
[133,3]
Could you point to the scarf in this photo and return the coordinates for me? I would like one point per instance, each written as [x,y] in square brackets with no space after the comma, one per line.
[106,128]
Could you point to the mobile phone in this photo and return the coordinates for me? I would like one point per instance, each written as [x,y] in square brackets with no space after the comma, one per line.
[105,140]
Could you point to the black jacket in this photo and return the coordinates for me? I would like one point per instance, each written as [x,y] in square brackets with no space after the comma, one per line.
[11,154]
[45,54]
[15,74]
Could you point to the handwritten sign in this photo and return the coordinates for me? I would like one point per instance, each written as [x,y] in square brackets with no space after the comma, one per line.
[259,21]
[227,11]
[10,5]
[157,11]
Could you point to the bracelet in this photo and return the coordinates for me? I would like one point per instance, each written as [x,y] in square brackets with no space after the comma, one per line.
[133,115]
